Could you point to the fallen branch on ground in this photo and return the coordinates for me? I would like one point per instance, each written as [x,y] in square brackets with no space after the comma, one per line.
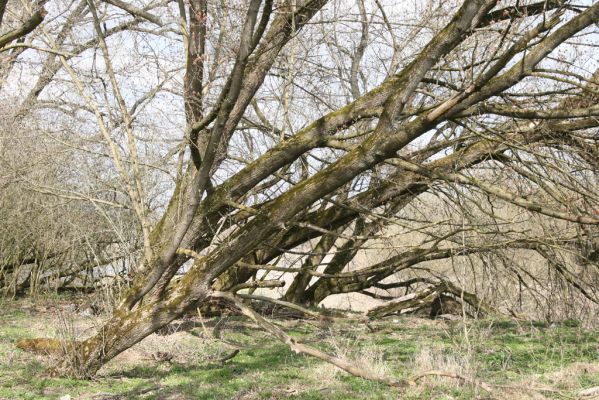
[485,385]
[452,375]
[424,298]
[302,348]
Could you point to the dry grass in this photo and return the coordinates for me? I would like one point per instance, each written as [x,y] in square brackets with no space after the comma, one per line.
[439,359]
[500,353]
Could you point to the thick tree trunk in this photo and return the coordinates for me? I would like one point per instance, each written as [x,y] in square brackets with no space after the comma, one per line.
[295,293]
[154,301]
[125,329]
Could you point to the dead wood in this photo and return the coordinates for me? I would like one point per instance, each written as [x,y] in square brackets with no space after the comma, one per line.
[442,298]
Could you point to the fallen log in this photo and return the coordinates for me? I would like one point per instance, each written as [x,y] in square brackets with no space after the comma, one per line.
[42,346]
[440,299]
[407,304]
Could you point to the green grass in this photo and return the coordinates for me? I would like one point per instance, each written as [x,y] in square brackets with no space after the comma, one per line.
[499,352]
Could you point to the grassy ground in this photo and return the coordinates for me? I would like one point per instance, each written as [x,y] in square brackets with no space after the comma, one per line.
[517,360]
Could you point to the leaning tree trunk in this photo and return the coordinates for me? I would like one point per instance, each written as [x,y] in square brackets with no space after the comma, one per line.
[152,303]
[125,329]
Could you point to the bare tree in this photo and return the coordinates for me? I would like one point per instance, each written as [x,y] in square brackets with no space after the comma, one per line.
[303,139]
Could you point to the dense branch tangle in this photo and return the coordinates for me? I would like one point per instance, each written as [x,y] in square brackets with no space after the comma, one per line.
[297,153]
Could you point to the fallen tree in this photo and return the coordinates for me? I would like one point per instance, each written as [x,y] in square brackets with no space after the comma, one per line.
[436,300]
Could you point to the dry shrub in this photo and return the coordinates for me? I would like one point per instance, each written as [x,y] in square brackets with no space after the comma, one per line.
[439,359]
[68,361]
[325,373]
[568,376]
[370,359]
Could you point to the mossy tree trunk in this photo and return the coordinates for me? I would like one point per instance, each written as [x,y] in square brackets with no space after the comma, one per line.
[217,228]
[133,320]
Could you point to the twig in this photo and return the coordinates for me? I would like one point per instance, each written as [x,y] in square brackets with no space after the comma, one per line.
[30,46]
